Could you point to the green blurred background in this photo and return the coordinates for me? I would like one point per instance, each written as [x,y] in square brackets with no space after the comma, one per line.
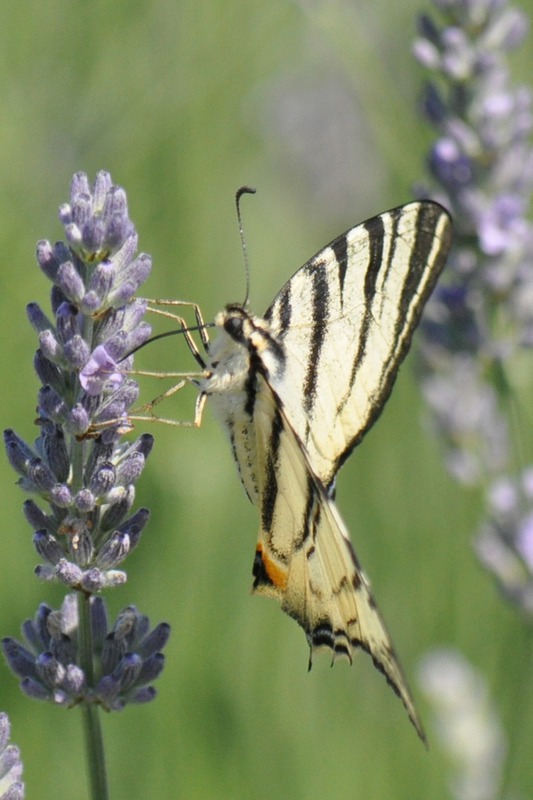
[314,104]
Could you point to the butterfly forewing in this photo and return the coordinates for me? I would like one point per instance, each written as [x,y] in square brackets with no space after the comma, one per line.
[297,390]
[346,320]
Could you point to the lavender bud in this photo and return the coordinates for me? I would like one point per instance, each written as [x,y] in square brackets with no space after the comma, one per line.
[50,671]
[63,649]
[19,453]
[68,573]
[100,454]
[35,690]
[135,525]
[48,547]
[52,406]
[47,260]
[117,345]
[48,373]
[76,352]
[55,452]
[34,635]
[69,614]
[57,299]
[151,668]
[37,518]
[41,625]
[125,291]
[155,641]
[136,338]
[90,304]
[114,551]
[102,280]
[103,479]
[143,695]
[99,622]
[41,476]
[60,495]
[78,421]
[128,670]
[45,572]
[70,282]
[108,580]
[130,469]
[81,547]
[84,501]
[67,322]
[74,681]
[116,512]
[20,660]
[38,318]
[92,580]
[107,690]
[145,444]
[124,262]
[50,347]
[113,651]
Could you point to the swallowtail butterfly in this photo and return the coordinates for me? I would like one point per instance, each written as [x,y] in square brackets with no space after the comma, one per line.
[297,389]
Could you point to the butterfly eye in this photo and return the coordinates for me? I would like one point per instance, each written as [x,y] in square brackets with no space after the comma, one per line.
[233,327]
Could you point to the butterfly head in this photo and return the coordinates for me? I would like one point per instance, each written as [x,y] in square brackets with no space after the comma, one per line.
[245,336]
[236,323]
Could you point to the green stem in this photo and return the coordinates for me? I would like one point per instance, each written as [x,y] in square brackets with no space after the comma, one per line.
[91,713]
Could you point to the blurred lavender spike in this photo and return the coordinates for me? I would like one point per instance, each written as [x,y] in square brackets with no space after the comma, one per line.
[11,786]
[478,329]
[466,723]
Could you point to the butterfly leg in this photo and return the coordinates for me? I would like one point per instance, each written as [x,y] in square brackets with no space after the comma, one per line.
[202,327]
[198,410]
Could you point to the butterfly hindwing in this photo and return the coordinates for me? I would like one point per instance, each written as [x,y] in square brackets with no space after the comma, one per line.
[304,557]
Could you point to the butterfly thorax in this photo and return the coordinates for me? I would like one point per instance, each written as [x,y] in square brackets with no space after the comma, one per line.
[244,351]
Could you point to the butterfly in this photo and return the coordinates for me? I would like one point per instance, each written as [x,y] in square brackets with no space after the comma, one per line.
[297,389]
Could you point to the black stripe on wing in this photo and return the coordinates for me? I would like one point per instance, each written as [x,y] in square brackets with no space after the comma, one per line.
[319,316]
[410,306]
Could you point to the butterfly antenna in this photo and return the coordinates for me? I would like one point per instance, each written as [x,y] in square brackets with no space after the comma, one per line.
[239,194]
[165,334]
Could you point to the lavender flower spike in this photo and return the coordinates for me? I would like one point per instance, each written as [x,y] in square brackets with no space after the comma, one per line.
[48,662]
[468,726]
[479,323]
[78,466]
[11,786]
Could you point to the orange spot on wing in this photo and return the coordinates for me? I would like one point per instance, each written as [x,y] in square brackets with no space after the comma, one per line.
[276,572]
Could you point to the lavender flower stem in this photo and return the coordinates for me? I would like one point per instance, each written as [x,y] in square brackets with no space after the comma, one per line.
[95,753]
[94,741]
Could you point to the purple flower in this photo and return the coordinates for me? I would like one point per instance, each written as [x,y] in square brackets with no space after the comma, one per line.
[99,371]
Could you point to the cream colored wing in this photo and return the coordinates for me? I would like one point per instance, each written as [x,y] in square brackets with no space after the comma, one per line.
[304,557]
[346,319]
